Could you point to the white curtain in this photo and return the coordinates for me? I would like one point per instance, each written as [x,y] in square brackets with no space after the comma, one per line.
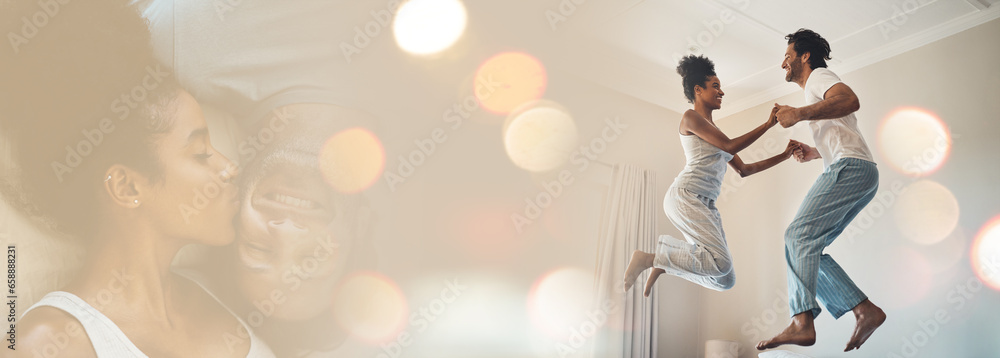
[628,223]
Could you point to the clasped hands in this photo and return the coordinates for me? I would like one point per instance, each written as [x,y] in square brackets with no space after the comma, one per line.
[800,151]
[787,116]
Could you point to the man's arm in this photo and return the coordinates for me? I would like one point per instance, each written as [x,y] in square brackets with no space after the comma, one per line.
[837,102]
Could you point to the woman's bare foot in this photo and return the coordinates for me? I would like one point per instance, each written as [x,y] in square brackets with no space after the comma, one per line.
[869,317]
[800,332]
[656,272]
[640,262]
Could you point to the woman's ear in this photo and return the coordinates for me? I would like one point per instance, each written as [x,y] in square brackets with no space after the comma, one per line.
[122,186]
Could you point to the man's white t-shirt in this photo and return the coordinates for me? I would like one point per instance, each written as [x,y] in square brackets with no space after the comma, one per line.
[839,137]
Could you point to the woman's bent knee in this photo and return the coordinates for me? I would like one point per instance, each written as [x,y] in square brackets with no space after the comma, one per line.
[723,266]
[725,282]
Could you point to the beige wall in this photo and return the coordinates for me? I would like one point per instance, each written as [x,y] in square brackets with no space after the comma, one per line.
[957,78]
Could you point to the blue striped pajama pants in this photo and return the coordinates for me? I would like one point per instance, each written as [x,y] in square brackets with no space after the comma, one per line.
[837,196]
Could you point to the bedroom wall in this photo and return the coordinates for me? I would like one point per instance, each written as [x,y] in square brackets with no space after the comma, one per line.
[450,220]
[470,178]
[955,78]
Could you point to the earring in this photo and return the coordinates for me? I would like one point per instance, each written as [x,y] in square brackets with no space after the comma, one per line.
[108,178]
[136,201]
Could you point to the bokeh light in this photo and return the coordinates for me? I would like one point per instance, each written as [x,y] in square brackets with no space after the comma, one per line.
[559,222]
[985,255]
[907,278]
[945,255]
[926,212]
[371,307]
[559,302]
[425,27]
[508,80]
[914,141]
[352,160]
[489,316]
[539,136]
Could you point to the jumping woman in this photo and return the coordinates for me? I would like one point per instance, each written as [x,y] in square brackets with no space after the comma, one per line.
[703,256]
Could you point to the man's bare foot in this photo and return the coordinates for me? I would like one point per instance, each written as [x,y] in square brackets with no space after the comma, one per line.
[656,272]
[869,318]
[640,262]
[800,332]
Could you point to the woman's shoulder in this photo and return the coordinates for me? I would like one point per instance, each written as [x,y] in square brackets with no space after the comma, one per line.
[47,329]
[690,113]
[687,118]
[690,116]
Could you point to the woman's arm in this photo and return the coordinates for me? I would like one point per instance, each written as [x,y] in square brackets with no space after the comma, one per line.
[746,170]
[711,134]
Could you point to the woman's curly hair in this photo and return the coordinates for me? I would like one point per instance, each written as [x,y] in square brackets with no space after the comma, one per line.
[76,96]
[694,71]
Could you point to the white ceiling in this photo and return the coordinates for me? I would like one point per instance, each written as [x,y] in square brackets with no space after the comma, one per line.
[632,46]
